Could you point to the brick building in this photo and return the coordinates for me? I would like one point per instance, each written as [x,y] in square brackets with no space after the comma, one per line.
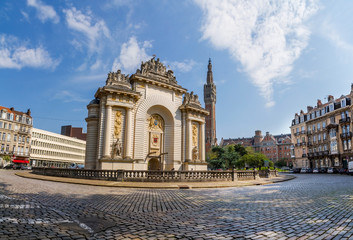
[322,135]
[275,147]
[75,132]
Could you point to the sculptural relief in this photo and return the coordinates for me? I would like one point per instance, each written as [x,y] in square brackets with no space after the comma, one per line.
[194,135]
[118,124]
[116,149]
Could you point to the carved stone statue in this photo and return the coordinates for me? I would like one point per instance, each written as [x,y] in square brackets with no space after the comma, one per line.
[116,150]
[194,135]
[195,153]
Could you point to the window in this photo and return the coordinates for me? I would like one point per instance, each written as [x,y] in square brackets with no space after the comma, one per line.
[331,107]
[312,115]
[313,128]
[2,147]
[303,129]
[332,133]
[296,120]
[347,129]
[302,118]
[8,137]
[28,140]
[343,102]
[324,137]
[314,138]
[0,124]
[344,145]
[5,125]
[343,129]
[323,111]
[7,148]
[332,119]
[333,146]
[3,136]
[319,137]
[323,124]
[15,138]
[297,130]
[318,113]
[19,138]
[349,144]
[10,126]
[318,126]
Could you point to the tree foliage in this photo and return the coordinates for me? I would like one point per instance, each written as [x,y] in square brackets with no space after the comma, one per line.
[226,157]
[6,158]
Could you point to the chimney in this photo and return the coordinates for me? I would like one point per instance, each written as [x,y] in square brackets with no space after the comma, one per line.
[12,109]
[267,133]
[319,103]
[301,112]
[309,108]
[330,98]
[29,112]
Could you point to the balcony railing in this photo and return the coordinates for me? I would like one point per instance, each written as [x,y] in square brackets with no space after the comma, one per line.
[346,135]
[345,120]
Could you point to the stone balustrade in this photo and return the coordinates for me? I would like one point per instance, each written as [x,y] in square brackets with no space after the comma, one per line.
[156,176]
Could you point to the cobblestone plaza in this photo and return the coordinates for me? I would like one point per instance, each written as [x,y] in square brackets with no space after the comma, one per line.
[308,207]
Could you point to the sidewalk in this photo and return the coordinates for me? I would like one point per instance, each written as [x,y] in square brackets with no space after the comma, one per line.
[160,185]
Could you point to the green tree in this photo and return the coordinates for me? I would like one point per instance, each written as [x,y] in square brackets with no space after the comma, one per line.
[6,158]
[255,160]
[226,157]
[281,163]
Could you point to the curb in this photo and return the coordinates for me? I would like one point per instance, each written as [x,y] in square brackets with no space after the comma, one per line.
[166,185]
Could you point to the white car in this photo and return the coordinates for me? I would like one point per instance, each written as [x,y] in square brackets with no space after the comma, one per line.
[303,170]
[315,170]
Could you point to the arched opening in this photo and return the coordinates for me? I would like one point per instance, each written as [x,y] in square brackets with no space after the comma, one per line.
[154,164]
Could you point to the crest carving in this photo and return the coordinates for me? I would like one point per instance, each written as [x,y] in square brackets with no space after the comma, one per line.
[118,124]
[155,122]
[117,79]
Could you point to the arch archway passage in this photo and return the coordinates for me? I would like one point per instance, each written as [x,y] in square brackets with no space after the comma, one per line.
[154,164]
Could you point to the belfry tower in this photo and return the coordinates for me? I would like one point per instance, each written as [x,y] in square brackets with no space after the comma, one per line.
[210,105]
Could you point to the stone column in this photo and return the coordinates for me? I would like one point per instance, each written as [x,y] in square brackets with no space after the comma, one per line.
[188,140]
[128,124]
[107,133]
[202,143]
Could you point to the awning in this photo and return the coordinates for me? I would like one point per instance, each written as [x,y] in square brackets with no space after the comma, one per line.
[20,161]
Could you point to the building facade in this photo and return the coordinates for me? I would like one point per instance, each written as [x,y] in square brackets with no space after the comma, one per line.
[210,106]
[75,132]
[15,134]
[322,136]
[275,147]
[145,122]
[50,149]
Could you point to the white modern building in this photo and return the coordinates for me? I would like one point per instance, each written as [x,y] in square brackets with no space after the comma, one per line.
[50,149]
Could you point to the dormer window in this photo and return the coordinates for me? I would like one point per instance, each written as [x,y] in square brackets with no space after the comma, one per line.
[331,107]
[302,118]
[343,102]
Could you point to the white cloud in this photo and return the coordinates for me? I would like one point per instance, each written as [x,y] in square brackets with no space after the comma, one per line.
[131,55]
[329,32]
[185,66]
[67,96]
[265,36]
[92,29]
[14,54]
[89,78]
[44,12]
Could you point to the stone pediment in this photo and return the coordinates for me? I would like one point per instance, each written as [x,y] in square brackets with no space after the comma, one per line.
[156,70]
[191,101]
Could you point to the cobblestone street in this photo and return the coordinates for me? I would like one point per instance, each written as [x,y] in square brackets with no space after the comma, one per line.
[308,207]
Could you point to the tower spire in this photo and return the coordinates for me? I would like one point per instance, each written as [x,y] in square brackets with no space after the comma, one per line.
[210,105]
[209,72]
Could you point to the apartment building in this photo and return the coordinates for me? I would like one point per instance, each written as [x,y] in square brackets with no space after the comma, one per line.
[15,134]
[324,138]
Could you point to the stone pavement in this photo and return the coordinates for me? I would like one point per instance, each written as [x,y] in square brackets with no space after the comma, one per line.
[311,206]
[159,185]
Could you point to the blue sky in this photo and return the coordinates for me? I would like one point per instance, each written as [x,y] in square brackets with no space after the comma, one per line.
[270,58]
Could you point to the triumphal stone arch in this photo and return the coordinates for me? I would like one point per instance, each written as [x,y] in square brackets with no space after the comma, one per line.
[145,121]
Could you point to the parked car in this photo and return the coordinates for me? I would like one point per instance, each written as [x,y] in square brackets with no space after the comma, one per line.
[309,170]
[332,170]
[296,170]
[25,167]
[303,170]
[315,170]
[322,170]
[343,171]
[15,167]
